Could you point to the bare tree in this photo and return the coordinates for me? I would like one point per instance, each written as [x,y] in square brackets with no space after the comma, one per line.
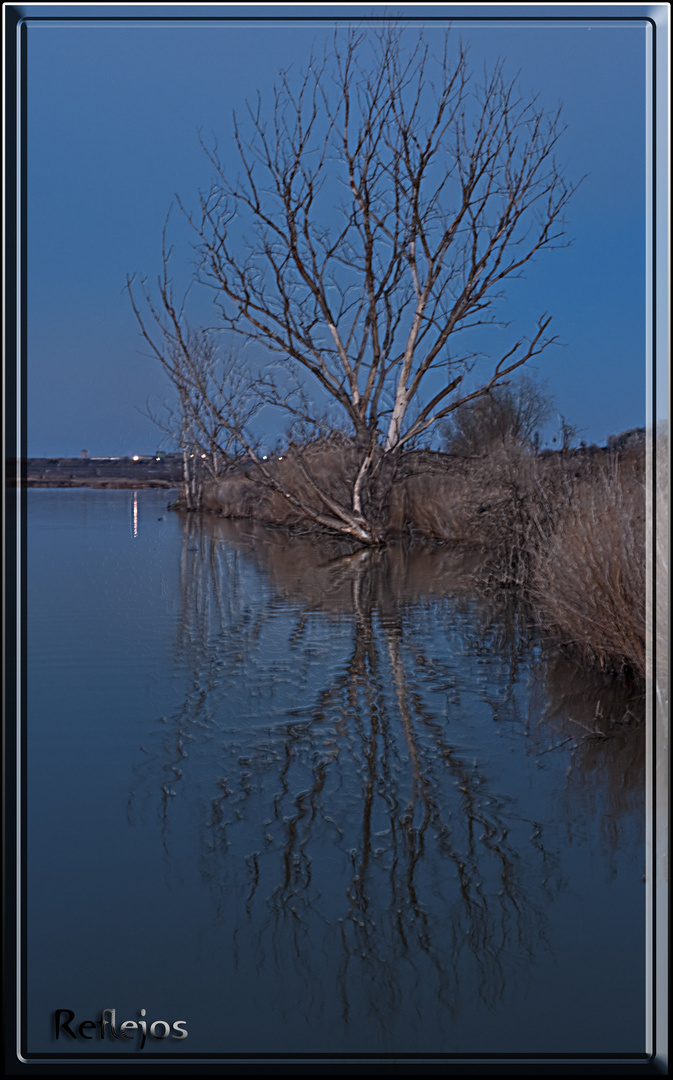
[214,400]
[380,204]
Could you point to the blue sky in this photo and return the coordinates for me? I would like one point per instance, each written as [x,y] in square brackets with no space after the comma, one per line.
[113,113]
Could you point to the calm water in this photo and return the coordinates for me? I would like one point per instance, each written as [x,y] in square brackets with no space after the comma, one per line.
[307,802]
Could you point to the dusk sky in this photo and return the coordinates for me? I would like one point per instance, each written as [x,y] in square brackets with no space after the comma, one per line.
[114,109]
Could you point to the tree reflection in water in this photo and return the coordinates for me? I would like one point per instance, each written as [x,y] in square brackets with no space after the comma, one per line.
[360,717]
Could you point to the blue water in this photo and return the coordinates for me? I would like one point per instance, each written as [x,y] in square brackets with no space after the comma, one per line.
[312,803]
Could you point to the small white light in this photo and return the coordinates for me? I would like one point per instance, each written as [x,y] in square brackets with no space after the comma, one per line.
[136,457]
[203,455]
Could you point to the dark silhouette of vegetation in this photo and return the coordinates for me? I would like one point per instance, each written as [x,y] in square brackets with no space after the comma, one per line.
[507,413]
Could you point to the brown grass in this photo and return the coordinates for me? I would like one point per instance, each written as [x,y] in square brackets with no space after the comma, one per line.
[492,503]
[659,614]
[588,582]
[246,494]
[568,529]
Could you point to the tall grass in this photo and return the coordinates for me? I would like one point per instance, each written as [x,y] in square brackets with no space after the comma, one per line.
[659,613]
[329,466]
[588,580]
[567,529]
[500,503]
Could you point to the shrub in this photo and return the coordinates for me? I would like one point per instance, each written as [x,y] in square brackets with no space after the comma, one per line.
[507,414]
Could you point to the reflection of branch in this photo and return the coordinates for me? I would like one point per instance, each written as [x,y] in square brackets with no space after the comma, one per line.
[363,685]
[347,835]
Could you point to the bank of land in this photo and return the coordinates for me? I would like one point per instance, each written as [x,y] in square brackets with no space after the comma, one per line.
[568,529]
[105,472]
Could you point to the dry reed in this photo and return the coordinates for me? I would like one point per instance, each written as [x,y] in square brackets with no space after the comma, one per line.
[588,582]
[659,614]
[568,529]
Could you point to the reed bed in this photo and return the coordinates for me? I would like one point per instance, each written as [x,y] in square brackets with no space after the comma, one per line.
[658,614]
[247,494]
[568,530]
[588,580]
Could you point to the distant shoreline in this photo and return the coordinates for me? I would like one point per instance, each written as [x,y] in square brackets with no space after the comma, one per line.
[99,473]
[119,484]
[167,470]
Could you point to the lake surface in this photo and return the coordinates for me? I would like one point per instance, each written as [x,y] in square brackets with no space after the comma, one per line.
[309,802]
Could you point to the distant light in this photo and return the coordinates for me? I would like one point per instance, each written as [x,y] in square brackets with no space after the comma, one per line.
[203,455]
[280,458]
[136,457]
[265,457]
